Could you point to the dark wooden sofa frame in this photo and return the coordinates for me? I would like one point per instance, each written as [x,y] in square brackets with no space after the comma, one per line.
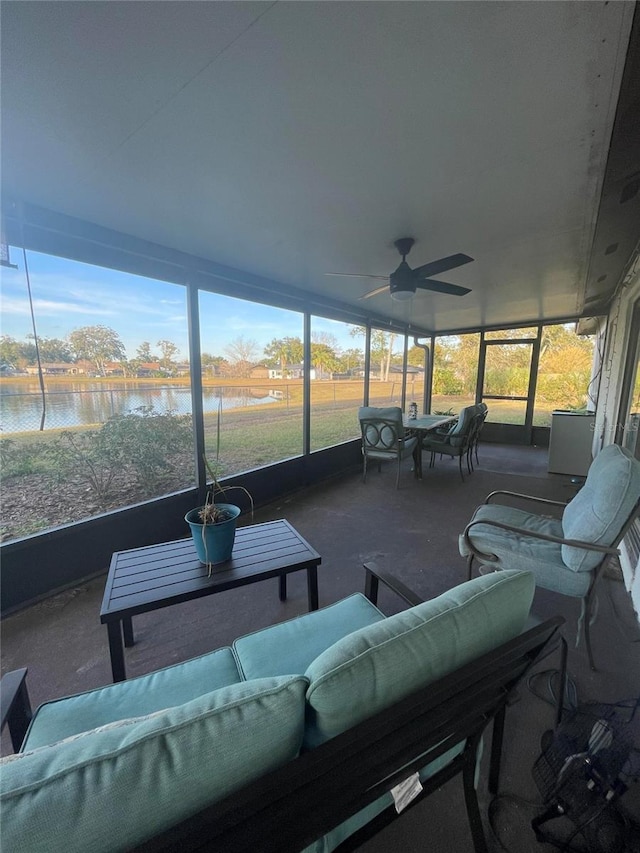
[289,808]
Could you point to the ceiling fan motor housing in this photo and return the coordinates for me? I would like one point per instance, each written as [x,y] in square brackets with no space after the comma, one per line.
[401,282]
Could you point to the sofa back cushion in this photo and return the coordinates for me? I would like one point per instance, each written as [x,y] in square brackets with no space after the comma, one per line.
[601,507]
[115,786]
[382,663]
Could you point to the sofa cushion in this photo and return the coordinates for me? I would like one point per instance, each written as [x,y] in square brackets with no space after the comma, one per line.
[289,647]
[115,786]
[376,666]
[173,685]
[601,507]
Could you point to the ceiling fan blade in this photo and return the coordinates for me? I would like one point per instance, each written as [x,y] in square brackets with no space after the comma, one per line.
[358,275]
[442,287]
[442,265]
[375,292]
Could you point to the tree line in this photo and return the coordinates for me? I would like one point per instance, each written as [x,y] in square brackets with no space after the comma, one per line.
[564,370]
[102,348]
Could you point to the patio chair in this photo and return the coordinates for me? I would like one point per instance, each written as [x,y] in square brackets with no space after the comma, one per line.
[568,554]
[383,438]
[455,443]
[482,410]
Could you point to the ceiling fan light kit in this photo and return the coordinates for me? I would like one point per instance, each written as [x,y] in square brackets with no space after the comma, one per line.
[404,281]
[401,295]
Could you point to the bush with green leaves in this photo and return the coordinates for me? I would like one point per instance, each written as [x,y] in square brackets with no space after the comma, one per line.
[145,445]
[19,459]
[149,443]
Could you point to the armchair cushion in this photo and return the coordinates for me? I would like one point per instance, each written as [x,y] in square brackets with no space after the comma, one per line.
[601,507]
[518,551]
[173,685]
[380,664]
[148,773]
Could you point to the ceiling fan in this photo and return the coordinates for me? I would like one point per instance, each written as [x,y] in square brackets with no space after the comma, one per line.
[402,283]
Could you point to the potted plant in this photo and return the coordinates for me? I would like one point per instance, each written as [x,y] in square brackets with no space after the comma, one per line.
[213,526]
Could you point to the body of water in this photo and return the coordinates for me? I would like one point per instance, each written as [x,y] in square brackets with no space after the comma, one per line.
[78,404]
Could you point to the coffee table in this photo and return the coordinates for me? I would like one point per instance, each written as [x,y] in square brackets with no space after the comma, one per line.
[156,576]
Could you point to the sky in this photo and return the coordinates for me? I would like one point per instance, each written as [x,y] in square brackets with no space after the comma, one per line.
[68,294]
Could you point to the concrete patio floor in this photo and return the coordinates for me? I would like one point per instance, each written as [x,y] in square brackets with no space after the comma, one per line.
[411,532]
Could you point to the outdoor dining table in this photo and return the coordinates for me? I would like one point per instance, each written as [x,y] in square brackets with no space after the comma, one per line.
[421,426]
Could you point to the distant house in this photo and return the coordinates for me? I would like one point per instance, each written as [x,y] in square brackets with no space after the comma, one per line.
[148,368]
[56,368]
[288,371]
[211,369]
[411,369]
[262,372]
[296,371]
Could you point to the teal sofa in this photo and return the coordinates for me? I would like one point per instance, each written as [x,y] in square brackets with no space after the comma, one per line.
[289,740]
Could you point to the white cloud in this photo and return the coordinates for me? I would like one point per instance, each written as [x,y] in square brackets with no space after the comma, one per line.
[49,307]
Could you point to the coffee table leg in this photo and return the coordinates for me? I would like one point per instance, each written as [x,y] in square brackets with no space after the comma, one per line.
[312,587]
[127,629]
[116,651]
[282,587]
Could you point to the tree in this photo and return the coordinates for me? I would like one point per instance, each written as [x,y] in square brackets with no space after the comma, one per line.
[323,357]
[133,366]
[351,358]
[168,350]
[326,338]
[53,349]
[212,363]
[97,344]
[143,353]
[284,351]
[16,354]
[415,356]
[381,348]
[242,350]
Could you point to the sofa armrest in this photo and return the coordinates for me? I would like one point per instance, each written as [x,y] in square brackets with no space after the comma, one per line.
[525,497]
[15,705]
[372,580]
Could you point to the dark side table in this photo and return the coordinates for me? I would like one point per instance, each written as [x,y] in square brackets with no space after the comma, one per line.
[156,576]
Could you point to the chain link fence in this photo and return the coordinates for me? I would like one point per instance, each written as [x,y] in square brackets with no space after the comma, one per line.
[22,411]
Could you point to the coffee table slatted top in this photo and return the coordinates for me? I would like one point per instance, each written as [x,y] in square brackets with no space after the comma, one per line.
[143,578]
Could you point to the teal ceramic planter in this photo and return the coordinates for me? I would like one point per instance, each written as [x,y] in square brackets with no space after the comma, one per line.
[214,542]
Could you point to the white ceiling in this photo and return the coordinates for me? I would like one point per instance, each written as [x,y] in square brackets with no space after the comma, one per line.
[288,139]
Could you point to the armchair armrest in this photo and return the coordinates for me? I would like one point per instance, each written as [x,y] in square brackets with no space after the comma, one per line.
[525,497]
[15,705]
[492,558]
[373,577]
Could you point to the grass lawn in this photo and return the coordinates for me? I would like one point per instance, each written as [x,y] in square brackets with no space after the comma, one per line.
[251,436]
